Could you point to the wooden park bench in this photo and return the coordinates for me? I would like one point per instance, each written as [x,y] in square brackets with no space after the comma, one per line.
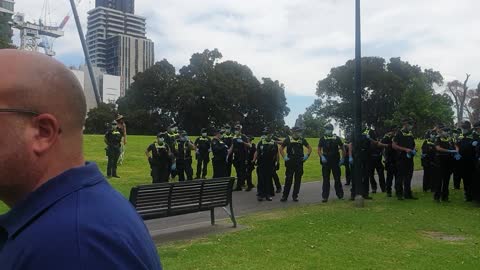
[173,199]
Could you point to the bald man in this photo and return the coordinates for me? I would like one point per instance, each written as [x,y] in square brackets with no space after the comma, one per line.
[64,214]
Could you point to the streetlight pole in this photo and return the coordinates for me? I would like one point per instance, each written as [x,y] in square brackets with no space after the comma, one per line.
[357,110]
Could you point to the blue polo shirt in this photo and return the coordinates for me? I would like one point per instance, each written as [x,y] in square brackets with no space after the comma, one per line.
[75,221]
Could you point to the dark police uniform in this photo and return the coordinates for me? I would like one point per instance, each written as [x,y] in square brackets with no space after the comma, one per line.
[250,166]
[346,163]
[467,162]
[276,179]
[267,154]
[160,162]
[403,181]
[113,139]
[376,165]
[429,164]
[445,162]
[476,176]
[184,160]
[240,154]
[228,140]
[203,148]
[330,146]
[456,164]
[294,166]
[390,163]
[220,152]
[364,143]
[171,140]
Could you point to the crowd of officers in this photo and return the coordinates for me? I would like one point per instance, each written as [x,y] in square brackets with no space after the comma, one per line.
[445,152]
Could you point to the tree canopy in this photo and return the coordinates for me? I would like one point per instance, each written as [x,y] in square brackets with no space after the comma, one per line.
[206,93]
[391,91]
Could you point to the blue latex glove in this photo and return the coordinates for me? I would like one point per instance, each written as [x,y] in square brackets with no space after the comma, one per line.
[452,151]
[414,152]
[341,162]
[305,157]
[457,156]
[324,159]
[286,158]
[474,144]
[350,160]
[409,155]
[174,167]
[239,140]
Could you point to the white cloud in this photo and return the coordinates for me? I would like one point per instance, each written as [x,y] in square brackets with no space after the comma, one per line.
[297,42]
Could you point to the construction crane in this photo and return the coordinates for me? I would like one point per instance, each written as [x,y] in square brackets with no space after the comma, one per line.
[42,34]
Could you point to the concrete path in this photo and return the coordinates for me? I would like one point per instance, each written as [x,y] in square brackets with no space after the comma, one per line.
[198,224]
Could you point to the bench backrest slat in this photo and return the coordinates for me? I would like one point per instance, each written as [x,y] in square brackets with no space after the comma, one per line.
[170,199]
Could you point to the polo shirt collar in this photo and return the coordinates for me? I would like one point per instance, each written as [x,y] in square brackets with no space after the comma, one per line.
[47,195]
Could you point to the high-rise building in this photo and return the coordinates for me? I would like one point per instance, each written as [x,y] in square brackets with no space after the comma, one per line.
[127,6]
[6,12]
[117,41]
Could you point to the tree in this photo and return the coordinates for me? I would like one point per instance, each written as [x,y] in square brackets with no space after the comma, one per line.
[425,106]
[459,94]
[473,107]
[384,87]
[149,104]
[206,93]
[313,122]
[99,118]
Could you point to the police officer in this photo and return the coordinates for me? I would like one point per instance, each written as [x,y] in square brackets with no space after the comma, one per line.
[276,179]
[123,129]
[457,179]
[346,163]
[113,139]
[159,157]
[202,145]
[184,157]
[228,140]
[239,149]
[328,151]
[365,142]
[294,159]
[390,160]
[446,153]
[376,165]
[404,144]
[171,140]
[266,157]
[220,155]
[476,181]
[466,144]
[250,163]
[430,167]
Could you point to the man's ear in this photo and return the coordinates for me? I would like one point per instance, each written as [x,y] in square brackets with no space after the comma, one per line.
[47,131]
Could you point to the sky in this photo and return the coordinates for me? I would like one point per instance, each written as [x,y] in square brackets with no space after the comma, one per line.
[296,41]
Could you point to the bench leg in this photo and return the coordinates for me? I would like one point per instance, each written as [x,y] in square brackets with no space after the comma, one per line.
[212,216]
[231,215]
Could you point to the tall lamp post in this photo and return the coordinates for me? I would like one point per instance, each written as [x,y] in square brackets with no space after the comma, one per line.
[357,109]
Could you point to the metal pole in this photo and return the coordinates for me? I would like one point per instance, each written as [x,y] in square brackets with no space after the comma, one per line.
[357,109]
[85,51]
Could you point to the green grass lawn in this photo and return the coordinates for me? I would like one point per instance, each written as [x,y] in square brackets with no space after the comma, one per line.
[136,171]
[386,234]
